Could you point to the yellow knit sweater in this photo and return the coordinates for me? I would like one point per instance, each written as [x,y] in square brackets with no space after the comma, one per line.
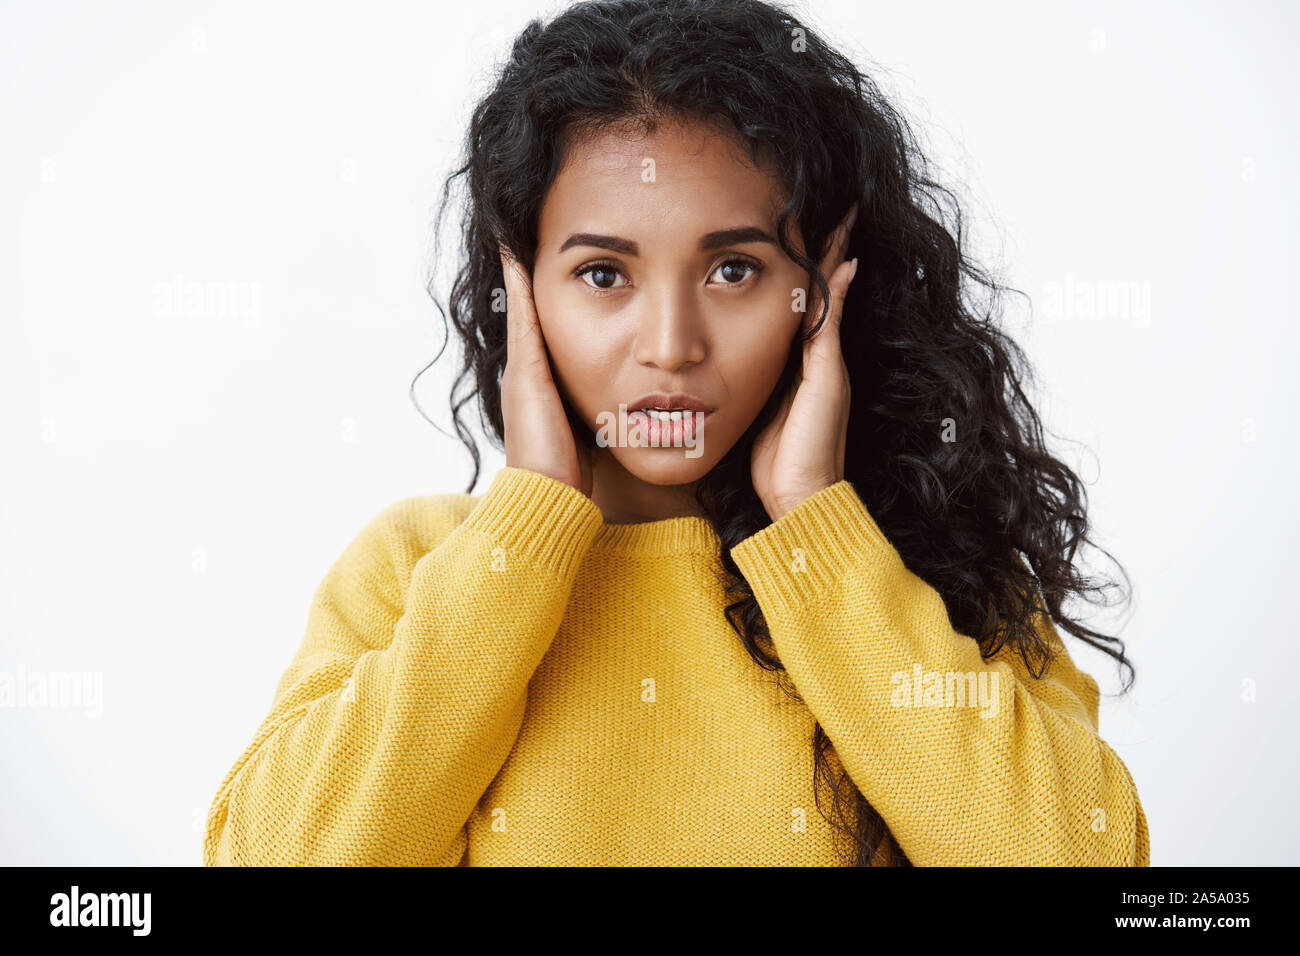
[507,679]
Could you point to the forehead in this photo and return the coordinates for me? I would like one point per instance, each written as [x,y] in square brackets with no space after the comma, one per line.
[680,180]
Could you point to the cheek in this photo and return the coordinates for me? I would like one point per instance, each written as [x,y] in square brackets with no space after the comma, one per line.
[752,362]
[582,350]
[572,343]
[751,366]
[560,328]
[770,349]
[579,357]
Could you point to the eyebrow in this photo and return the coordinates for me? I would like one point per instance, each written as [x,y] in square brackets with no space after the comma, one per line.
[708,242]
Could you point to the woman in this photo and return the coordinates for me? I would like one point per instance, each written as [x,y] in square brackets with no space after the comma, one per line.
[698,207]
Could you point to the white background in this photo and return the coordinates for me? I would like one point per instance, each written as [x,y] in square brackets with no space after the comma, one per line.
[177,480]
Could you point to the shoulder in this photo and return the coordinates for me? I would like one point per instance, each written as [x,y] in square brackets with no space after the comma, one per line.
[378,560]
[422,520]
[364,591]
[406,529]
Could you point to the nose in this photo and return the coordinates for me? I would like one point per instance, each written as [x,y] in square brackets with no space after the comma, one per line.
[671,334]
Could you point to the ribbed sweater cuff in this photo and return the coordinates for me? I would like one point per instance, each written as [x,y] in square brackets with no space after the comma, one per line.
[794,559]
[547,521]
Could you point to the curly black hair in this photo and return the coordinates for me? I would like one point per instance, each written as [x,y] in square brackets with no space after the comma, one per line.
[944,447]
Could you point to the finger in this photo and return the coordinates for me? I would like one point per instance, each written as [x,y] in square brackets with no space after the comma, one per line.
[783,409]
[515,306]
[509,279]
[839,283]
[837,245]
[838,242]
[523,332]
[772,430]
[832,265]
[824,347]
[825,387]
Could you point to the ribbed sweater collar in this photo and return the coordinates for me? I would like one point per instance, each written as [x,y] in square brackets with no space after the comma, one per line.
[668,536]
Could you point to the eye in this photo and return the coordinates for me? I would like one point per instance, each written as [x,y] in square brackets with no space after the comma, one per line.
[731,267]
[606,271]
[602,277]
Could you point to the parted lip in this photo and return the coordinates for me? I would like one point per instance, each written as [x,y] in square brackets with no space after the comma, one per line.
[678,401]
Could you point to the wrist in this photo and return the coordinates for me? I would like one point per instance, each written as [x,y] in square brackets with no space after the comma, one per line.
[778,506]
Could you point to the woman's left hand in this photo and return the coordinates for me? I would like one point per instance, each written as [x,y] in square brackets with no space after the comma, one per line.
[801,451]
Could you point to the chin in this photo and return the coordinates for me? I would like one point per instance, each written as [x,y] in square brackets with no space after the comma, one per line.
[665,466]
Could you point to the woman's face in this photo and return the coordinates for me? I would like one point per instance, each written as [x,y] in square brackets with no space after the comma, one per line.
[657,270]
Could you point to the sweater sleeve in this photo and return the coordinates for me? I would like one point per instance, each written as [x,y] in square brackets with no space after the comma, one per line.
[409,687]
[968,761]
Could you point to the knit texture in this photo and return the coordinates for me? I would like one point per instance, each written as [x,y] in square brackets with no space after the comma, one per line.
[506,679]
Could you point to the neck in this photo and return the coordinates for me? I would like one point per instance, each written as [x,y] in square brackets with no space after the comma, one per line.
[624,498]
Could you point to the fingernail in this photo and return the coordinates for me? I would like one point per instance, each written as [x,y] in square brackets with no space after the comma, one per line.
[855,269]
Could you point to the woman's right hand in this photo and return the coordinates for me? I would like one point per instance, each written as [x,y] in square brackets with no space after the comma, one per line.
[538,434]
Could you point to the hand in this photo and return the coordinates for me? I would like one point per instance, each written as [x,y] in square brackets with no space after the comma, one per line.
[801,451]
[538,434]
